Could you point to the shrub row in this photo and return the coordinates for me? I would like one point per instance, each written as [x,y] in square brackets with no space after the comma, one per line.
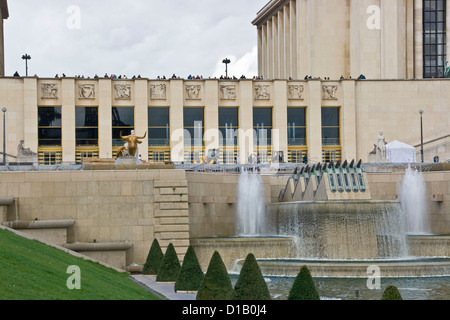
[167,267]
[216,283]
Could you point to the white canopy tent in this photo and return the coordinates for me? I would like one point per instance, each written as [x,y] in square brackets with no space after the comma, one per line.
[399,152]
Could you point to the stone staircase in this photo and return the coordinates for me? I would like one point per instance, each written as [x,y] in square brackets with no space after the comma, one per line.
[172,214]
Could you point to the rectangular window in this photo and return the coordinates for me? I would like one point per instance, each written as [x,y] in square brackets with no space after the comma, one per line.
[49,126]
[86,121]
[296,126]
[262,124]
[158,127]
[331,126]
[228,125]
[434,38]
[194,120]
[122,123]
[229,128]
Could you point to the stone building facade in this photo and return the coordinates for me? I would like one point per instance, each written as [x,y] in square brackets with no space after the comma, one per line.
[4,14]
[382,39]
[66,119]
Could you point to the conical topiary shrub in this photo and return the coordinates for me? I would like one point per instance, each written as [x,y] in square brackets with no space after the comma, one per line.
[391,293]
[304,287]
[191,274]
[250,284]
[217,282]
[154,259]
[170,266]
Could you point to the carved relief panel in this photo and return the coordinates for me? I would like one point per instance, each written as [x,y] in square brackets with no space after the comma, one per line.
[262,92]
[86,91]
[158,92]
[123,91]
[193,92]
[49,91]
[329,92]
[228,92]
[296,92]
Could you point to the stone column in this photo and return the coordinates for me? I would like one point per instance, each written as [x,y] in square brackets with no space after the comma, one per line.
[280,139]
[176,120]
[348,120]
[307,41]
[365,39]
[211,115]
[418,39]
[355,44]
[245,120]
[269,71]
[410,39]
[68,120]
[105,118]
[260,51]
[275,60]
[293,41]
[314,121]
[263,67]
[30,114]
[389,39]
[281,47]
[287,41]
[141,114]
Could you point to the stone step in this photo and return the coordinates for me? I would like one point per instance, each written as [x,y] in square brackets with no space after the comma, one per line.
[115,253]
[54,231]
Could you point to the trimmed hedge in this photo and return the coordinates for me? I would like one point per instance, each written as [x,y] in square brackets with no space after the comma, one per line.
[251,284]
[217,282]
[154,259]
[391,293]
[170,266]
[191,274]
[304,287]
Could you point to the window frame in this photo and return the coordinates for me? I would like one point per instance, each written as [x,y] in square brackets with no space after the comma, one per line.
[434,24]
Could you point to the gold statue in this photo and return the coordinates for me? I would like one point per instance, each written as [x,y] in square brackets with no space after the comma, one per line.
[131,144]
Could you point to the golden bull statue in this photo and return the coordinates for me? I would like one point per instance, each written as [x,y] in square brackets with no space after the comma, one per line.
[131,145]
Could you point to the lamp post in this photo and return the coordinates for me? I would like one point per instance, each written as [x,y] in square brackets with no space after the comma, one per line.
[226,61]
[421,135]
[4,136]
[26,57]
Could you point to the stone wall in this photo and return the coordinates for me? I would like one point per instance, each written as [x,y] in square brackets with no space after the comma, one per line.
[213,199]
[107,206]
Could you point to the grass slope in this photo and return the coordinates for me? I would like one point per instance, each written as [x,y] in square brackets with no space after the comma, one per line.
[30,270]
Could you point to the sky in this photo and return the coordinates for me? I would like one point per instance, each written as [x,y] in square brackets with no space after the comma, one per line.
[132,37]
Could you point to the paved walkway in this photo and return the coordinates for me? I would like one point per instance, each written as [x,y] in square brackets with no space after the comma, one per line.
[162,290]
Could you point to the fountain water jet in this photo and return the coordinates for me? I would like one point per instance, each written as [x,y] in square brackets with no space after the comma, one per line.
[250,205]
[413,202]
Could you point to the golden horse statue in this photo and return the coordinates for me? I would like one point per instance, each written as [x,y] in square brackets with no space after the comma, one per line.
[131,143]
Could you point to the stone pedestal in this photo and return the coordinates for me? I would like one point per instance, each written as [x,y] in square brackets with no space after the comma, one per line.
[127,160]
[23,159]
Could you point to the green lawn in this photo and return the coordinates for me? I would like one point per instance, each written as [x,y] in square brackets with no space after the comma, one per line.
[30,270]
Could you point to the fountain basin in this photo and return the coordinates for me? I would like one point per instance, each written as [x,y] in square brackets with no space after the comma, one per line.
[429,245]
[389,268]
[235,248]
[356,229]
[277,256]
